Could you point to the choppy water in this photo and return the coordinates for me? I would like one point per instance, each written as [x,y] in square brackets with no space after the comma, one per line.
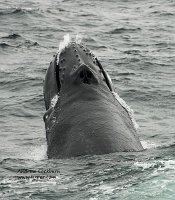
[135,40]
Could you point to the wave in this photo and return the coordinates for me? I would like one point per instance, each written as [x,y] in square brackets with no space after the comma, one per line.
[125,73]
[12,36]
[164,44]
[4,45]
[58,10]
[16,10]
[27,44]
[163,14]
[169,147]
[168,14]
[19,10]
[124,30]
[134,52]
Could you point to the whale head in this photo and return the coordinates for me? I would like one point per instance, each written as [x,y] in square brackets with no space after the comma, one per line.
[75,67]
[83,113]
[78,67]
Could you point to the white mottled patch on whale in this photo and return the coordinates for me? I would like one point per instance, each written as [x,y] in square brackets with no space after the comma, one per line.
[54,101]
[128,109]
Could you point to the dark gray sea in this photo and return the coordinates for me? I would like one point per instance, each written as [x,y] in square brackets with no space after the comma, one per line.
[135,42]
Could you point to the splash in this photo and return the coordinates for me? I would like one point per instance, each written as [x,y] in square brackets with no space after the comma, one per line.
[78,39]
[149,144]
[64,43]
[67,40]
[35,152]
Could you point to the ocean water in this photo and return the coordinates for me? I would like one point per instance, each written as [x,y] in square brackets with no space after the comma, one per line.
[135,42]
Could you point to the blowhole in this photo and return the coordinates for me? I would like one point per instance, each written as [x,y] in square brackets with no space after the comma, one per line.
[82,75]
[86,80]
[89,74]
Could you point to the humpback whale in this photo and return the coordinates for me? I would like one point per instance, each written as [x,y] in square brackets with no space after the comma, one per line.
[83,114]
